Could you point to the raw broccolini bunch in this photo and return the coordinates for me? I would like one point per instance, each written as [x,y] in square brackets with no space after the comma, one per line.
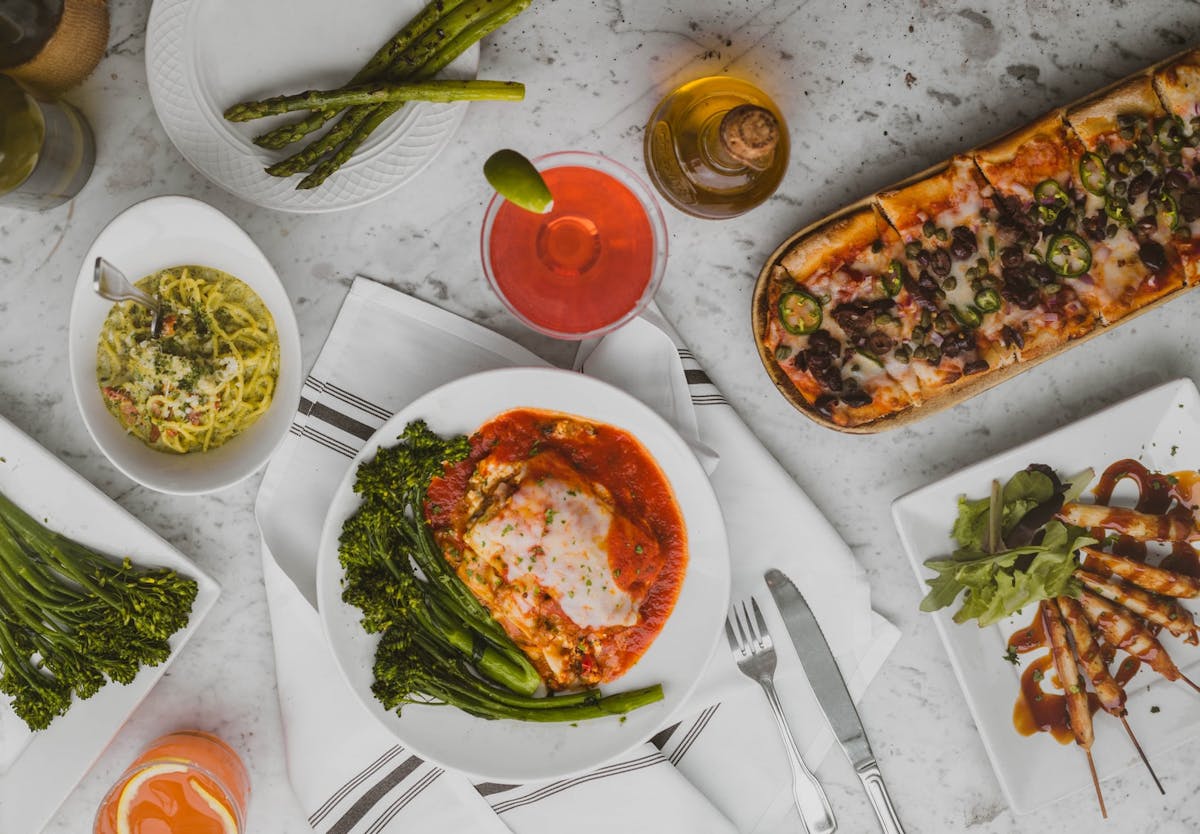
[71,619]
[438,643]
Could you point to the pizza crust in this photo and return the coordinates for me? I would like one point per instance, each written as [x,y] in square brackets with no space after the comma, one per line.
[835,242]
[1017,161]
[1178,85]
[1097,115]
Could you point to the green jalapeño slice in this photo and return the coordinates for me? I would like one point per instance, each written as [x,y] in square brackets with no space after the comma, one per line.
[1068,254]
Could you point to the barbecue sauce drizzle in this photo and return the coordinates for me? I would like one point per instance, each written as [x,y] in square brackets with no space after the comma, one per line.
[1039,711]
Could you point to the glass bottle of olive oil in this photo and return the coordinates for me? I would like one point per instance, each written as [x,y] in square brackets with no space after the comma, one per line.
[46,150]
[716,147]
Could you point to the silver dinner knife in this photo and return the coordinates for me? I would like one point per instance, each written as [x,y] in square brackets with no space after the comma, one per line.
[830,689]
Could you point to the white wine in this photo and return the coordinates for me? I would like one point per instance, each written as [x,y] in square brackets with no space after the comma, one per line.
[46,150]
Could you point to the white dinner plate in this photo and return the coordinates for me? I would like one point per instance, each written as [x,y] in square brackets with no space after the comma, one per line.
[204,55]
[1160,428]
[38,770]
[515,751]
[149,236]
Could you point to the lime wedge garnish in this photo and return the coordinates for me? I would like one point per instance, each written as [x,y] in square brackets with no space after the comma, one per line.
[516,180]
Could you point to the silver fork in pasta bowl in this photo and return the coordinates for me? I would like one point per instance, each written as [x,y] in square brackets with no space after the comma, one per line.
[111,283]
[754,652]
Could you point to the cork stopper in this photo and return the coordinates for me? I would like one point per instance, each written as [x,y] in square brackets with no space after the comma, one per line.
[72,52]
[749,134]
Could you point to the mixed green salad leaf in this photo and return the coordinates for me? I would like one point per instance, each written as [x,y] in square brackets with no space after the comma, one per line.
[1011,550]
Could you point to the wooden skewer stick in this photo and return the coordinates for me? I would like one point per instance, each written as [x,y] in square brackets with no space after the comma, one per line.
[1096,783]
[1189,681]
[1145,761]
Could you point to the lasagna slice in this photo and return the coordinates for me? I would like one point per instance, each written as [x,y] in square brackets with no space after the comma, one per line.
[540,544]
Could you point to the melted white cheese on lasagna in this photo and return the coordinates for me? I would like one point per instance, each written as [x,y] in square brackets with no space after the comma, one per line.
[556,532]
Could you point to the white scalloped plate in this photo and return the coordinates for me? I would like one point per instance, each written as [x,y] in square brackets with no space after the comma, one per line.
[204,55]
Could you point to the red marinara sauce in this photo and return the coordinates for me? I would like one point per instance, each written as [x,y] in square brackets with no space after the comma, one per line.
[615,460]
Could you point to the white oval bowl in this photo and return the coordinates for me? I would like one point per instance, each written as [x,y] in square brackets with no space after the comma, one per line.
[156,234]
[519,751]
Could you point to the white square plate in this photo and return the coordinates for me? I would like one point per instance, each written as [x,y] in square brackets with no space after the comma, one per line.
[1160,428]
[38,770]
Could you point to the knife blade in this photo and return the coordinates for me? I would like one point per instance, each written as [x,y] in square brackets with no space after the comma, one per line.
[820,668]
[829,687]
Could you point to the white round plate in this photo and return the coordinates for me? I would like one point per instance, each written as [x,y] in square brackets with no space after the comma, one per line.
[204,55]
[516,751]
[156,234]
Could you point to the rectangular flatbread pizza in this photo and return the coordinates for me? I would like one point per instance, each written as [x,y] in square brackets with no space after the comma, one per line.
[938,287]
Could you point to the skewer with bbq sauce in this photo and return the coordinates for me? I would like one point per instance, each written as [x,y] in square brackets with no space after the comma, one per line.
[1160,611]
[1037,710]
[1166,509]
[1121,628]
[1078,708]
[1160,579]
[1108,691]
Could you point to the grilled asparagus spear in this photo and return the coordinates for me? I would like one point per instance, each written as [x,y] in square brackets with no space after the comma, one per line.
[377,93]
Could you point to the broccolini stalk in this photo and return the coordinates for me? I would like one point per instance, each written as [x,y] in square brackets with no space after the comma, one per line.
[71,619]
[408,671]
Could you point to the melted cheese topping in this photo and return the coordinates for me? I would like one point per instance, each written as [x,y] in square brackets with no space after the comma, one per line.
[557,534]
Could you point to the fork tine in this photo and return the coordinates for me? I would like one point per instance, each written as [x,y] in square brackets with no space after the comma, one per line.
[729,635]
[742,630]
[754,638]
[758,617]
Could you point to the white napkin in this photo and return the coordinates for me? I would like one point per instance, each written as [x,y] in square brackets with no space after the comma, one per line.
[720,769]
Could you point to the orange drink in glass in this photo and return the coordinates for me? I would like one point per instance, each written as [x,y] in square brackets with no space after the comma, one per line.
[186,781]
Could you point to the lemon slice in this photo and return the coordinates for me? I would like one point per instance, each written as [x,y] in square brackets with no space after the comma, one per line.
[130,792]
[228,823]
[516,180]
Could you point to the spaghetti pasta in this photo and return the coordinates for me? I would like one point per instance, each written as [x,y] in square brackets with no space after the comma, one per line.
[209,376]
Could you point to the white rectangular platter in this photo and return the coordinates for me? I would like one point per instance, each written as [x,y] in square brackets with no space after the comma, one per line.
[1160,428]
[38,770]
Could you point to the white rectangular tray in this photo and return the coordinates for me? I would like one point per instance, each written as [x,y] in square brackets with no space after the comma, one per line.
[38,770]
[1160,428]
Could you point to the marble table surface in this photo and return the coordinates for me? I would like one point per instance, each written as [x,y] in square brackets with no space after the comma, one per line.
[873,91]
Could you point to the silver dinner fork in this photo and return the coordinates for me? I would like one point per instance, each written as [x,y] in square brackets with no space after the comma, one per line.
[755,655]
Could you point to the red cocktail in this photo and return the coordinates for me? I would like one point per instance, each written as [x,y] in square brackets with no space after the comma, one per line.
[591,263]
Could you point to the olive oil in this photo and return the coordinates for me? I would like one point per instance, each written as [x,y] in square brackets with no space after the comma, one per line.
[46,150]
[716,147]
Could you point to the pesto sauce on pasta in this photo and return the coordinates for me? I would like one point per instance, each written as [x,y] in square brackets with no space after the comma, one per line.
[209,376]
